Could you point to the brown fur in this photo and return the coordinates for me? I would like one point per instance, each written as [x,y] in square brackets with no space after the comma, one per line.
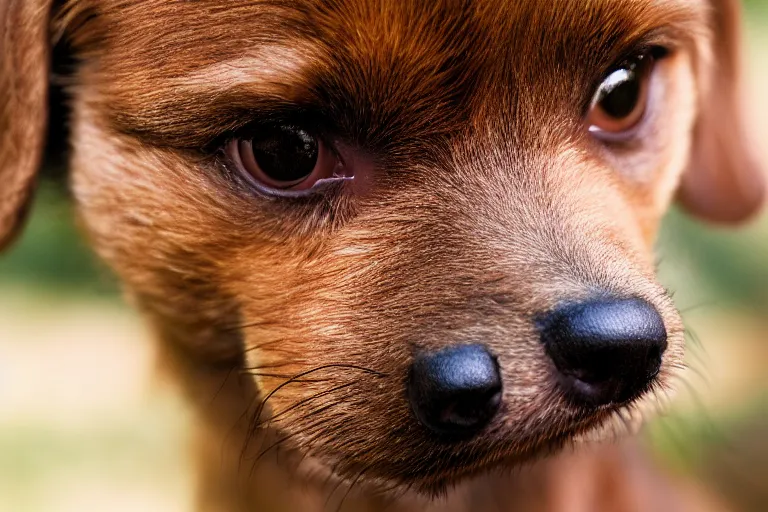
[290,323]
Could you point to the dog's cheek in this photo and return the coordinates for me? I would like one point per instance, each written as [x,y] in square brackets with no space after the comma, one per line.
[680,104]
[322,362]
[652,169]
[164,230]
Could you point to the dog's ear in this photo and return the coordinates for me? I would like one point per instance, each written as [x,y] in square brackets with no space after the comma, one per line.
[724,182]
[24,64]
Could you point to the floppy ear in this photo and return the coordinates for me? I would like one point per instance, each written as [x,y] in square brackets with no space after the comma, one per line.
[724,182]
[24,63]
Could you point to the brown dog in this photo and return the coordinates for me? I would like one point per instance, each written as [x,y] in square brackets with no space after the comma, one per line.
[388,246]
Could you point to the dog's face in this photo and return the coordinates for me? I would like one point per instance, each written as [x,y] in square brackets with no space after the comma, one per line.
[424,228]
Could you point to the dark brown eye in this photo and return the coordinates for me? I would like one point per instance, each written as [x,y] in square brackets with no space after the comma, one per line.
[284,157]
[620,101]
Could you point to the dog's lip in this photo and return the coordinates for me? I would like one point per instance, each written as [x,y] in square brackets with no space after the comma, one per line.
[546,444]
[440,482]
[496,457]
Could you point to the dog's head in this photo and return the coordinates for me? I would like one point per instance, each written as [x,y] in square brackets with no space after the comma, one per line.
[425,227]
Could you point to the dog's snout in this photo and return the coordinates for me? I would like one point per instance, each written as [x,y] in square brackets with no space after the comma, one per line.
[455,391]
[606,351]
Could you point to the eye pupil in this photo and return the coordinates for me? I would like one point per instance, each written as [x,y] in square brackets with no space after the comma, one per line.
[621,99]
[286,154]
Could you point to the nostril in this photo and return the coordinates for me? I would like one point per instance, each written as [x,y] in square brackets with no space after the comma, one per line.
[455,391]
[607,350]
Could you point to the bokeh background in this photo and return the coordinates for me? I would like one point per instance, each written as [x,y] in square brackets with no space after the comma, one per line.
[86,425]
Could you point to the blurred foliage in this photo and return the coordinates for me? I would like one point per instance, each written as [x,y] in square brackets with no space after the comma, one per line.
[755,7]
[731,263]
[51,253]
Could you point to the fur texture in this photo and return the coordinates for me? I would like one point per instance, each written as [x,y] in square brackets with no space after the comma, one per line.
[481,203]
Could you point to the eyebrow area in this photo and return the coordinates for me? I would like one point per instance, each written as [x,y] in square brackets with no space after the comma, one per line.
[192,109]
[278,81]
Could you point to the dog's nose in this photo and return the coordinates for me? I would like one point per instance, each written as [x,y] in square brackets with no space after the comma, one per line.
[607,351]
[455,391]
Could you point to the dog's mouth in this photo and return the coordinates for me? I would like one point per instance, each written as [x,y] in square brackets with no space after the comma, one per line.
[448,463]
[500,456]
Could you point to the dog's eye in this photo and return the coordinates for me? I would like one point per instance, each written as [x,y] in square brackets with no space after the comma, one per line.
[285,157]
[619,104]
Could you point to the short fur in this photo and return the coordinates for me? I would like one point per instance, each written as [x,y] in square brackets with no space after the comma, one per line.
[290,323]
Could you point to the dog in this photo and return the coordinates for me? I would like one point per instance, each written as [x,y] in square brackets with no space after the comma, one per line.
[397,255]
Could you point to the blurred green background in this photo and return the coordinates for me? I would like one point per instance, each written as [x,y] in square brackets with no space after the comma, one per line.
[85,425]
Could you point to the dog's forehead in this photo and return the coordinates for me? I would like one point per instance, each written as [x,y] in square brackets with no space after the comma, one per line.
[210,30]
[388,60]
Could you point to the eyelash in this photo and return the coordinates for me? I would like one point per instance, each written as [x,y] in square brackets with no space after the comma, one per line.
[230,168]
[656,51]
[304,118]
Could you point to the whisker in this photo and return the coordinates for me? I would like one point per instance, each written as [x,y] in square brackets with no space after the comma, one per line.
[309,427]
[282,376]
[711,303]
[223,383]
[392,494]
[336,486]
[696,343]
[248,437]
[332,473]
[351,486]
[309,399]
[309,372]
[265,366]
[262,345]
[257,323]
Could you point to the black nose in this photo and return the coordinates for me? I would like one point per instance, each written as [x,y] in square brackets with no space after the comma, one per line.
[455,391]
[607,351]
